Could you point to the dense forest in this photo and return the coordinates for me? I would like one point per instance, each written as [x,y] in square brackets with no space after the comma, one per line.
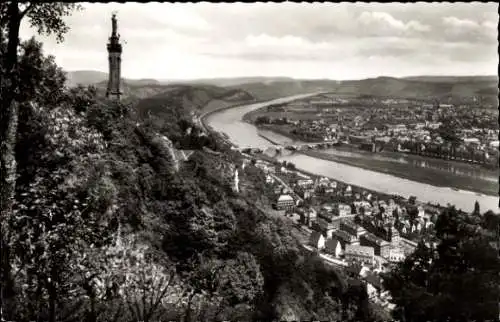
[98,224]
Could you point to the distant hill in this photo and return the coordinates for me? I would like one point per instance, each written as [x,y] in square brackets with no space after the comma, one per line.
[200,98]
[422,87]
[453,79]
[446,88]
[226,82]
[270,90]
[90,77]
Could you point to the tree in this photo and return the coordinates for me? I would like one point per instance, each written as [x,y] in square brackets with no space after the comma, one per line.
[47,18]
[59,210]
[434,284]
[262,120]
[123,281]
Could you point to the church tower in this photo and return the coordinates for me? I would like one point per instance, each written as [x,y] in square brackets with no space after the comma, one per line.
[114,56]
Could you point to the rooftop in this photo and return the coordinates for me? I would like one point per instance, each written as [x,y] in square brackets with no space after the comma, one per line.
[359,250]
[315,237]
[344,235]
[285,198]
[374,239]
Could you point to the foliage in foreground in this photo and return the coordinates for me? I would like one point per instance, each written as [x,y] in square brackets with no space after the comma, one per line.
[459,280]
[188,247]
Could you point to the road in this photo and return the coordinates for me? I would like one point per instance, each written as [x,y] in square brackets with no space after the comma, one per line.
[332,261]
[286,186]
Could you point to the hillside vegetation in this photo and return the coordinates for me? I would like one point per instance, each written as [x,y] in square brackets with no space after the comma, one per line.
[194,98]
[108,224]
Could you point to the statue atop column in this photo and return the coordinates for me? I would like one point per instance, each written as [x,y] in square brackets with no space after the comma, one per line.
[114,24]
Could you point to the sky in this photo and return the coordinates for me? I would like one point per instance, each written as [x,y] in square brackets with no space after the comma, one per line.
[301,40]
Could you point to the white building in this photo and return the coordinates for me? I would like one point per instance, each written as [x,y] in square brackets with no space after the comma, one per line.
[396,255]
[305,183]
[357,253]
[342,210]
[334,247]
[317,240]
[285,202]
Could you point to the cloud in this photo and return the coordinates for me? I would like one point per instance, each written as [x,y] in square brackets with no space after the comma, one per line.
[177,40]
[383,24]
[460,23]
[457,29]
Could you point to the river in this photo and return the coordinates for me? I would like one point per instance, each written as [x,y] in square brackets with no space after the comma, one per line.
[230,122]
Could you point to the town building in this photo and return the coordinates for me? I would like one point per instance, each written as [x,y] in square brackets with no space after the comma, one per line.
[305,183]
[345,238]
[308,216]
[360,254]
[305,193]
[324,182]
[285,202]
[381,247]
[334,247]
[365,205]
[269,179]
[352,228]
[408,246]
[317,240]
[373,285]
[327,223]
[381,264]
[396,255]
[395,237]
[348,191]
[342,210]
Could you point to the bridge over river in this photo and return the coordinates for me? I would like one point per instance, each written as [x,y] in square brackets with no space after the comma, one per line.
[279,147]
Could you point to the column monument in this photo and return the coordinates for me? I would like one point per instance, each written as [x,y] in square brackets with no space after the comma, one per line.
[114,56]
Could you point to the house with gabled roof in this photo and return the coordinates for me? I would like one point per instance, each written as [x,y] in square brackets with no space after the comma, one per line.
[333,246]
[374,285]
[345,238]
[317,240]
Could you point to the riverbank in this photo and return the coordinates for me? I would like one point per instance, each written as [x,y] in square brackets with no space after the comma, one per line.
[206,114]
[211,111]
[358,189]
[425,175]
[428,176]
